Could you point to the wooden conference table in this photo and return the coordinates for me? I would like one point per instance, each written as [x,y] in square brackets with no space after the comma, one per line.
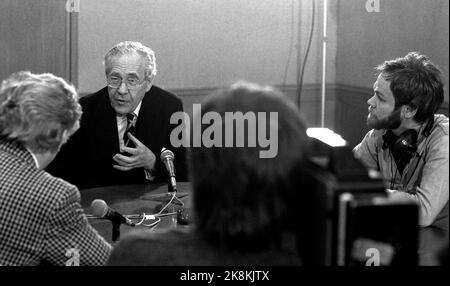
[150,198]
[135,200]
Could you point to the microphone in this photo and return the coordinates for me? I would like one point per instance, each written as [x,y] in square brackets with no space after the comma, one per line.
[100,209]
[167,158]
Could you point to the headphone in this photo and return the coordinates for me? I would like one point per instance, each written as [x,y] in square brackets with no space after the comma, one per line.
[405,146]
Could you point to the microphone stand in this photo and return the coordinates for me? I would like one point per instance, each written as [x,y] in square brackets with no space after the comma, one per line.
[171,190]
[115,230]
[167,157]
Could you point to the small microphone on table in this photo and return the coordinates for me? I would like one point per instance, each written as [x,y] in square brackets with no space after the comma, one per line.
[99,208]
[167,158]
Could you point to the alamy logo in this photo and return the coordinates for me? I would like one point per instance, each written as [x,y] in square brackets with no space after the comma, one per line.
[73,6]
[228,131]
[373,6]
[373,255]
[74,257]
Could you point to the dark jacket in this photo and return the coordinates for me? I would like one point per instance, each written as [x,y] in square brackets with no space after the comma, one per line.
[86,160]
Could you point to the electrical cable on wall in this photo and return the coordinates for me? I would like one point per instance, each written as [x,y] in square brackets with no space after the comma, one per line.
[291,42]
[301,69]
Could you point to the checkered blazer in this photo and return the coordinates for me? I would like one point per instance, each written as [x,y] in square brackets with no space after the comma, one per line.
[41,219]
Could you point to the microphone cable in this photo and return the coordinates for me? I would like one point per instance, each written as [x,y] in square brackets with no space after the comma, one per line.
[160,214]
[145,217]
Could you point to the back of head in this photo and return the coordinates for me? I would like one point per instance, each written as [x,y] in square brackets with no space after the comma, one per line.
[240,197]
[36,109]
[415,81]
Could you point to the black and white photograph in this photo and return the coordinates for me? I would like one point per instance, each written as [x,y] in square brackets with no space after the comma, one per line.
[237,140]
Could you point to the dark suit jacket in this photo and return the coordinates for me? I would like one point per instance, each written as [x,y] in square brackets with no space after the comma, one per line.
[86,159]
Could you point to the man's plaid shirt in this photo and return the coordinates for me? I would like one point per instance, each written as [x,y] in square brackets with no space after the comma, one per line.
[41,219]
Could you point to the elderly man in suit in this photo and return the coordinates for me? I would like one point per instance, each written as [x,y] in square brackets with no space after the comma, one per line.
[124,126]
[244,204]
[41,219]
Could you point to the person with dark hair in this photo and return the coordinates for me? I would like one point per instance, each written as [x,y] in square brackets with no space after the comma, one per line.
[242,197]
[124,126]
[41,219]
[408,142]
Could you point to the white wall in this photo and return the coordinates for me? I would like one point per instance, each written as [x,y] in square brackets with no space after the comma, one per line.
[206,43]
[200,43]
[367,39]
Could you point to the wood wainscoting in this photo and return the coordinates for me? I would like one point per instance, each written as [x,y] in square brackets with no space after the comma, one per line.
[345,106]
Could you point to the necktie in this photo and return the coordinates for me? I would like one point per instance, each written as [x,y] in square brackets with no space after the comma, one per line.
[131,122]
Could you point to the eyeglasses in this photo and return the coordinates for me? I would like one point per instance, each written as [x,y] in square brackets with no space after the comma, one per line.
[131,83]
